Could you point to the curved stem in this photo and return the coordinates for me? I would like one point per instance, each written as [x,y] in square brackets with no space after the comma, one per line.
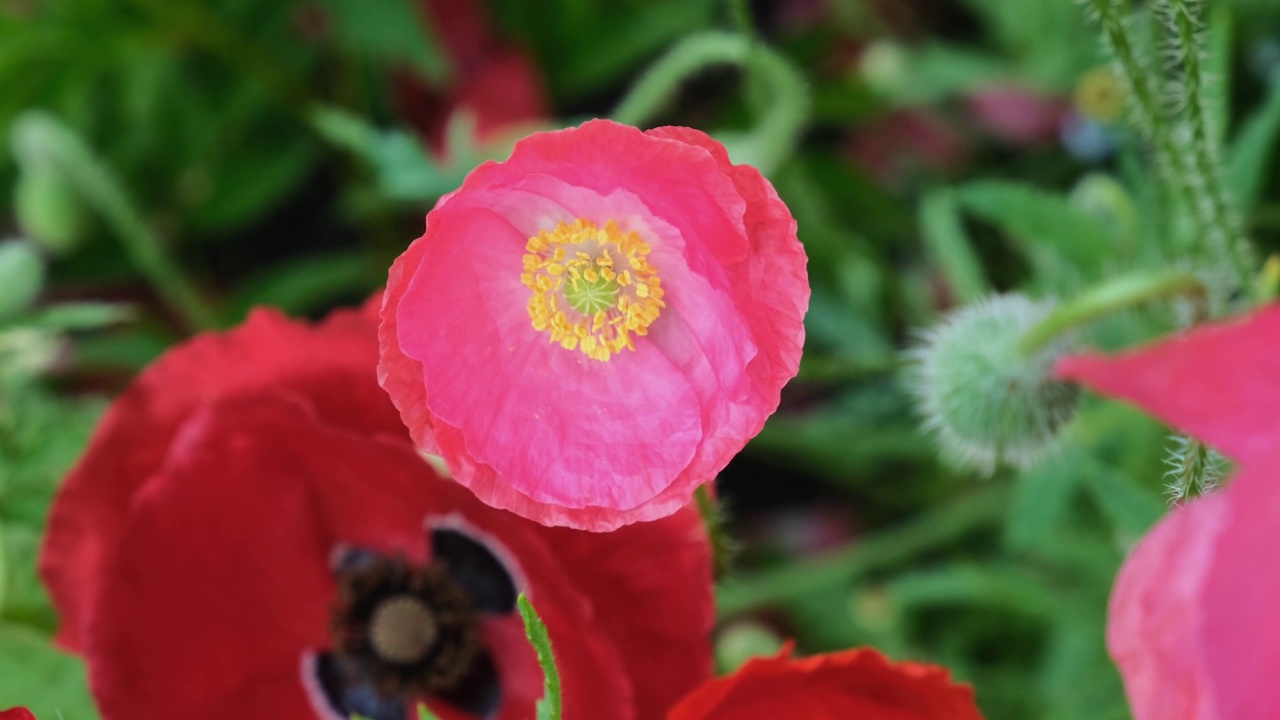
[1120,294]
[774,136]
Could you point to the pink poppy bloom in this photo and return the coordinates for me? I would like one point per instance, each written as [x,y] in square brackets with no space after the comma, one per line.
[1194,622]
[590,330]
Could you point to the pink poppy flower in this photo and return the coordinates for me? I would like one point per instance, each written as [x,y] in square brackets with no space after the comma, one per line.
[1194,621]
[593,328]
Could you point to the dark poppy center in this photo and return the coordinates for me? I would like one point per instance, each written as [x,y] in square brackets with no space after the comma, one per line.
[411,630]
[405,632]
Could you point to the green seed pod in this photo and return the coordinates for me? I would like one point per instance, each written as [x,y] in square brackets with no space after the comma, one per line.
[987,400]
[48,208]
[742,640]
[21,277]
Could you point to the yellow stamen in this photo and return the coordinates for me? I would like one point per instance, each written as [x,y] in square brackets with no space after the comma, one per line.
[593,287]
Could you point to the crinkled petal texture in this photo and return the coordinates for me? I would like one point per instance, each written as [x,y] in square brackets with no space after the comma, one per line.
[331,364]
[858,683]
[1218,382]
[547,432]
[214,596]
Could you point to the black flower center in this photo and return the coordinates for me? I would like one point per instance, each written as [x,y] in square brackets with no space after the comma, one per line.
[411,630]
[404,632]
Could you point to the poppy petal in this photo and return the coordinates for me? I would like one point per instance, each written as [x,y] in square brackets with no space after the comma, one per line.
[329,364]
[1218,382]
[859,683]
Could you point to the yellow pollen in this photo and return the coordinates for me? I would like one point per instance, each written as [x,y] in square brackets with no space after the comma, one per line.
[593,287]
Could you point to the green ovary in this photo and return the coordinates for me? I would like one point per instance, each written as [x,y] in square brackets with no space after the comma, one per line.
[591,296]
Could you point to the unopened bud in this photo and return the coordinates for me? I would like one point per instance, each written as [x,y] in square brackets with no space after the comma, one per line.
[987,400]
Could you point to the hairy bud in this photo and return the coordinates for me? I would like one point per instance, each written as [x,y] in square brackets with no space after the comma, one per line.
[988,401]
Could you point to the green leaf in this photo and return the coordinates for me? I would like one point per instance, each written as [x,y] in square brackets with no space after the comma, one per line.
[47,681]
[424,713]
[549,707]
[66,317]
[1130,507]
[403,168]
[1252,151]
[950,246]
[391,32]
[1060,239]
[1041,501]
[309,283]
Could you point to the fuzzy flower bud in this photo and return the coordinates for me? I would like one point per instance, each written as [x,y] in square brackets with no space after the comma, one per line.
[989,401]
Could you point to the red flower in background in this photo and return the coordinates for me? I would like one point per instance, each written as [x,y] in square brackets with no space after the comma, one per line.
[592,329]
[251,535]
[1194,620]
[16,714]
[497,82]
[859,683]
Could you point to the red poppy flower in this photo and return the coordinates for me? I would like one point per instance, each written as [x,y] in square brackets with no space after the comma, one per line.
[859,683]
[279,549]
[1194,619]
[16,714]
[593,328]
[494,80]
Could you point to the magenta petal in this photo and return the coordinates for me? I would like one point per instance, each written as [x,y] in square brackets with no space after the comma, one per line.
[1154,610]
[1218,382]
[1239,629]
[626,430]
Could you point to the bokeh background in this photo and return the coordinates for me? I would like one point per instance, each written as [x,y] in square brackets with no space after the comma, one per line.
[169,164]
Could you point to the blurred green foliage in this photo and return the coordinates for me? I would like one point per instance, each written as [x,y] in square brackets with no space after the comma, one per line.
[244,152]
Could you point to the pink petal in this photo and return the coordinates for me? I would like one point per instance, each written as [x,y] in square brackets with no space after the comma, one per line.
[1154,610]
[1218,382]
[1239,628]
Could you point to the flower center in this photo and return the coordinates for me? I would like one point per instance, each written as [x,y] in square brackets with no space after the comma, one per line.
[402,629]
[593,287]
[409,630]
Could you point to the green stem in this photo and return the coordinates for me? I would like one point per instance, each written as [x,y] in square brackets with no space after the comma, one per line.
[1120,294]
[550,706]
[722,546]
[937,527]
[774,137]
[1223,226]
[42,138]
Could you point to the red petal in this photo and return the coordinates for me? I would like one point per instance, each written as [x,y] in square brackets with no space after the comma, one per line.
[860,684]
[329,365]
[16,714]
[1218,382]
[651,586]
[220,582]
